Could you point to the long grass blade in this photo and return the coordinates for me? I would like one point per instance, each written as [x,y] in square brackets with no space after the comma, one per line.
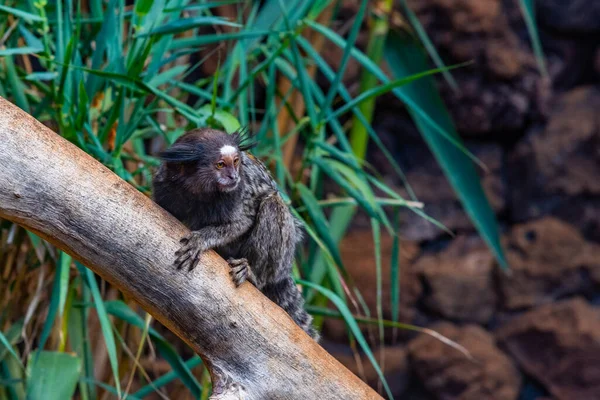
[404,59]
[392,324]
[350,42]
[7,346]
[352,324]
[52,375]
[433,53]
[185,24]
[166,350]
[528,11]
[105,324]
[410,103]
[166,378]
[21,14]
[60,288]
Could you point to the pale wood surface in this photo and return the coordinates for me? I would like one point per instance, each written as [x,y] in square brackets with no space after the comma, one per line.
[54,189]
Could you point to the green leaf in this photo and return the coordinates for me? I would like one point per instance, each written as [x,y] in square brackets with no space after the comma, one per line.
[41,76]
[405,58]
[416,24]
[52,375]
[334,174]
[329,74]
[218,37]
[136,84]
[38,246]
[320,222]
[78,334]
[142,7]
[20,50]
[350,44]
[303,82]
[60,289]
[351,322]
[315,310]
[21,14]
[108,388]
[203,6]
[410,102]
[395,271]
[204,94]
[358,181]
[229,122]
[7,346]
[10,338]
[166,350]
[327,264]
[318,7]
[105,324]
[379,90]
[185,24]
[416,210]
[12,370]
[167,75]
[30,38]
[16,85]
[379,283]
[166,378]
[82,106]
[528,10]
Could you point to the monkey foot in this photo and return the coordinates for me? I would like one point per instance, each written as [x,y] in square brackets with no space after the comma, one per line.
[189,253]
[240,271]
[224,388]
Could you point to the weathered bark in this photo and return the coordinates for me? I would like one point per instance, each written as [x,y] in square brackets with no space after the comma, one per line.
[54,189]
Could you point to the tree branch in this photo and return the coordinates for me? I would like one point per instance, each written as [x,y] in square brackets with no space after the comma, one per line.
[251,346]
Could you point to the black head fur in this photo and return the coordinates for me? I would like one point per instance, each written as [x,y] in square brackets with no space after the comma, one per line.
[203,145]
[245,139]
[190,164]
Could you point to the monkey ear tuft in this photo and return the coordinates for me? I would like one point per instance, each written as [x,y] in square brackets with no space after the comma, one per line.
[181,153]
[245,139]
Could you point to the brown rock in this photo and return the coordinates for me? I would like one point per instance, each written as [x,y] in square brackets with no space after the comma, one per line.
[448,374]
[461,17]
[549,169]
[441,203]
[559,345]
[500,57]
[570,60]
[358,255]
[549,259]
[458,282]
[572,16]
[498,95]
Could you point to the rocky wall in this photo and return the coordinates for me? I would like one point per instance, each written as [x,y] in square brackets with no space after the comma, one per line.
[534,331]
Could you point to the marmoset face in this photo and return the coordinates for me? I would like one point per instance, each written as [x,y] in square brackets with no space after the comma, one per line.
[227,168]
[206,161]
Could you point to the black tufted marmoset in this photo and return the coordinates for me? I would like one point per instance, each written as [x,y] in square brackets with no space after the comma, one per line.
[231,204]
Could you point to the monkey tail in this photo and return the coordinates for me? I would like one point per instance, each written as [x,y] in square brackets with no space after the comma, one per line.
[286,294]
[271,248]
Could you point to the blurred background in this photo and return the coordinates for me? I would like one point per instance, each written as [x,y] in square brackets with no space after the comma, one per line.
[443,155]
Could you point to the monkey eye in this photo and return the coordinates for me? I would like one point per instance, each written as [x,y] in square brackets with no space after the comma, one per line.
[236,162]
[220,165]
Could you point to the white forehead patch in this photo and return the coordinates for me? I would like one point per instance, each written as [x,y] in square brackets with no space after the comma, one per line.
[228,150]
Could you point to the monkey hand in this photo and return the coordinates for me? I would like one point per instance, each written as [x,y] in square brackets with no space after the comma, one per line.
[240,271]
[188,255]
